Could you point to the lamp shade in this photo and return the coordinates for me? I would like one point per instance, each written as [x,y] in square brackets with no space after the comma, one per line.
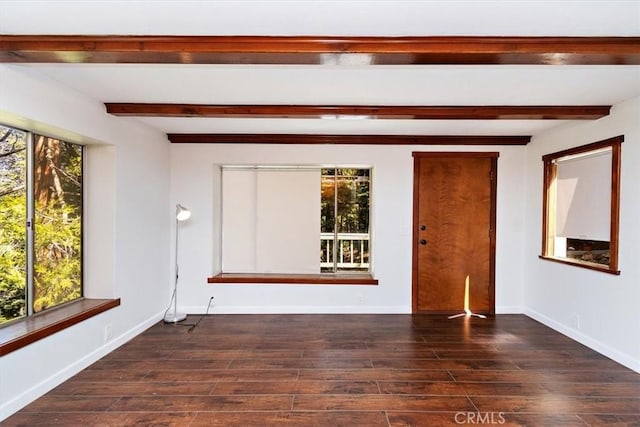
[182,213]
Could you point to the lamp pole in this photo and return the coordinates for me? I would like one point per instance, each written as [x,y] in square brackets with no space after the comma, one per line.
[182,214]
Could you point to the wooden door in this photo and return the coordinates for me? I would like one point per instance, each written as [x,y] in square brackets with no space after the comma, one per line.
[454,232]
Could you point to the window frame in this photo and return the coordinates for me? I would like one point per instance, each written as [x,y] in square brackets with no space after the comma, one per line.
[355,276]
[335,269]
[30,227]
[548,203]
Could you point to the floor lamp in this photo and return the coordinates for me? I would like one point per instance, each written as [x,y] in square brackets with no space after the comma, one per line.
[467,311]
[182,214]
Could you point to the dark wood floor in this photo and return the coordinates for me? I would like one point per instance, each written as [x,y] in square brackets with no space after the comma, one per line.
[345,370]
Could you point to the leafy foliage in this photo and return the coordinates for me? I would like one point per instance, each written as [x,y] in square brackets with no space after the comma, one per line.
[13,214]
[58,204]
[13,257]
[352,186]
[57,270]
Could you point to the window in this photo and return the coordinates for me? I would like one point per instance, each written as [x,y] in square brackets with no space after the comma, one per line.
[581,205]
[295,219]
[41,200]
[345,220]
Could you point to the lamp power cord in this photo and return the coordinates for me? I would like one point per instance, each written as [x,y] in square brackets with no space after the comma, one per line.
[191,326]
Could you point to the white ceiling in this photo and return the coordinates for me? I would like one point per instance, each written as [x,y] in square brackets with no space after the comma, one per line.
[323,17]
[337,85]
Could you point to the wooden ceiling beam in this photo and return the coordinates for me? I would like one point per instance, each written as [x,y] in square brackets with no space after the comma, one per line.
[315,139]
[485,112]
[325,50]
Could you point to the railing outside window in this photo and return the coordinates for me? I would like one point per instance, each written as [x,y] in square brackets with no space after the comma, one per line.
[352,251]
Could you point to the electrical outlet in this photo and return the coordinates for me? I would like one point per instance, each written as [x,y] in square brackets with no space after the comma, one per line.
[108,332]
[575,321]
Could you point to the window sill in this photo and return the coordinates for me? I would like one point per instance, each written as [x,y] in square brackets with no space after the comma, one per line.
[23,332]
[568,261]
[298,279]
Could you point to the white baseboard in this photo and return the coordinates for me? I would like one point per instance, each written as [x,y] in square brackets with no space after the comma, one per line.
[612,353]
[13,405]
[509,309]
[299,309]
[302,309]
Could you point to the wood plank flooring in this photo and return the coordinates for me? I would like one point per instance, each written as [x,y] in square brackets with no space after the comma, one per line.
[345,370]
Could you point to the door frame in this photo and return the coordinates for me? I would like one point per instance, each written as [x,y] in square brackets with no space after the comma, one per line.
[493,155]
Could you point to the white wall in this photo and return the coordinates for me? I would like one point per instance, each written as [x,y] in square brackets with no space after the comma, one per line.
[195,182]
[597,309]
[136,213]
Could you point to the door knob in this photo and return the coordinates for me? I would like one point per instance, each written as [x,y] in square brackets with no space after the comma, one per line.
[423,227]
[423,242]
